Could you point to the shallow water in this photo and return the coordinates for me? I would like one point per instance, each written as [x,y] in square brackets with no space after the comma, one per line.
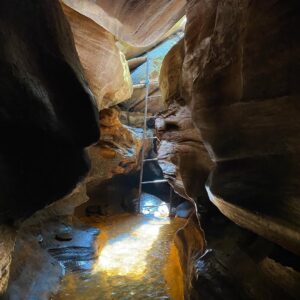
[136,259]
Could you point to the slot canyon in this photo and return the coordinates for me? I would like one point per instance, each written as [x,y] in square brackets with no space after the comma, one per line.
[150,149]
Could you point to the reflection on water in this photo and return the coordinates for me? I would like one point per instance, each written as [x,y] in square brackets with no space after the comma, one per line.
[136,259]
[126,254]
[152,205]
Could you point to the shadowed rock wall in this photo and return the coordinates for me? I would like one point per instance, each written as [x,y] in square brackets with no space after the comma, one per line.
[47,114]
[244,99]
[182,155]
[239,69]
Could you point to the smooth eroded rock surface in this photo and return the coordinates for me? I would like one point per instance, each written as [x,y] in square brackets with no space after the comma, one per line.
[240,77]
[104,64]
[47,111]
[182,154]
[40,259]
[7,243]
[47,114]
[137,22]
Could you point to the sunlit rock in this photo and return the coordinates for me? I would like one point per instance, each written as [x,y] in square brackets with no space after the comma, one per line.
[7,242]
[136,61]
[134,21]
[227,106]
[170,75]
[130,51]
[155,59]
[137,101]
[118,150]
[105,66]
[47,108]
[133,119]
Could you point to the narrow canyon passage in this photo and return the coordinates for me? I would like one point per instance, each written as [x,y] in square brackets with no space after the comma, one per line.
[136,256]
[149,150]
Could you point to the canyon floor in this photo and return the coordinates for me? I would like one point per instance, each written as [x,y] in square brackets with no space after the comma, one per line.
[136,259]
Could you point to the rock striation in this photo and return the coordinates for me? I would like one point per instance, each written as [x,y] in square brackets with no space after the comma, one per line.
[238,69]
[136,22]
[182,154]
[47,114]
[105,66]
[241,66]
[238,66]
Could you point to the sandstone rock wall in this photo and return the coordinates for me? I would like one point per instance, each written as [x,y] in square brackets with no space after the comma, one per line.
[47,114]
[118,150]
[183,156]
[7,243]
[240,81]
[137,22]
[238,66]
[131,51]
[104,64]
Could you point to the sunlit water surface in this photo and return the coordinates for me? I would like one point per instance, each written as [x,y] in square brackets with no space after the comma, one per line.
[137,259]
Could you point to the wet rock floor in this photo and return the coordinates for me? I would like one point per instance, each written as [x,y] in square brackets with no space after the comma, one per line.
[136,258]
